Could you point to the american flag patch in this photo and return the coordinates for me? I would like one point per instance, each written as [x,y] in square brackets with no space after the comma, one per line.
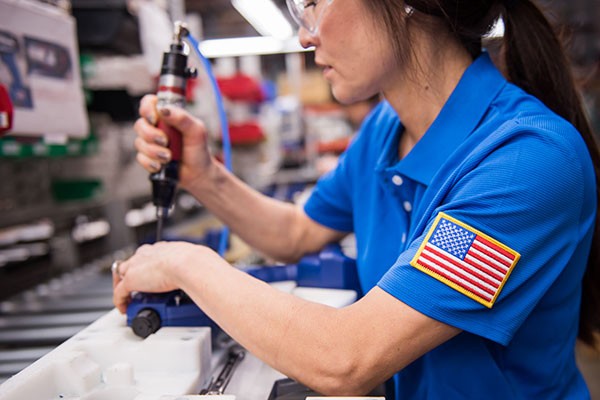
[465,259]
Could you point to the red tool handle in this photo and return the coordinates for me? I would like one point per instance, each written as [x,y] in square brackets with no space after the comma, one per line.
[175,140]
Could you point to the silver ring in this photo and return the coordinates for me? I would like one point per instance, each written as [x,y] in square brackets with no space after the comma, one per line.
[115,268]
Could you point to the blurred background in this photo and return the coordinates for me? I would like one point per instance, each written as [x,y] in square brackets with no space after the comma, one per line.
[73,198]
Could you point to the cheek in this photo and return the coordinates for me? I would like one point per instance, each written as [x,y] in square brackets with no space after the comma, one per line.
[382,64]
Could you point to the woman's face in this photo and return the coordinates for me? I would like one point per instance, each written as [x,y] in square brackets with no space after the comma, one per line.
[354,51]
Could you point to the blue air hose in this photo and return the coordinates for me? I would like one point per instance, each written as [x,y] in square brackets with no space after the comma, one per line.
[224,127]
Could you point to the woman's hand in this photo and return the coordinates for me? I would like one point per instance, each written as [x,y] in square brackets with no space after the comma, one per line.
[157,268]
[151,142]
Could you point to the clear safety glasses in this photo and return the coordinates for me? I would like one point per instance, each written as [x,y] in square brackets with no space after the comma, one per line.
[308,13]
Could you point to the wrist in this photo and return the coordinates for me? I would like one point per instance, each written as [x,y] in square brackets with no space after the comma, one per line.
[183,264]
[210,182]
[195,268]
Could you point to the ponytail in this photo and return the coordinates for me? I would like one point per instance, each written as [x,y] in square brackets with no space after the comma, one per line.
[536,62]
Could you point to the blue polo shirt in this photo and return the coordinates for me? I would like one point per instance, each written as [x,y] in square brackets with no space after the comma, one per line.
[496,164]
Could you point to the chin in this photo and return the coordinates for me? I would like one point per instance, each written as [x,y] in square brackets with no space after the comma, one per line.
[341,95]
[348,97]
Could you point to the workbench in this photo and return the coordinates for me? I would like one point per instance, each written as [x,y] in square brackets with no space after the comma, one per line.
[106,360]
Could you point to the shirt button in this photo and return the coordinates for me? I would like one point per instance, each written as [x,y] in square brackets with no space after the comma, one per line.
[407,206]
[404,238]
[397,179]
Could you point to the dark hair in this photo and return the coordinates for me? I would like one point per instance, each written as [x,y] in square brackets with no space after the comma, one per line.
[533,60]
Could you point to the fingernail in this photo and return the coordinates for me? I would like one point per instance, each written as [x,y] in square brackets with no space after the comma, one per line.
[165,112]
[160,140]
[163,155]
[151,119]
[155,165]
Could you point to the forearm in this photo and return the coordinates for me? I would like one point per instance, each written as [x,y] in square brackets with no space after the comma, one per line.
[334,351]
[303,340]
[272,227]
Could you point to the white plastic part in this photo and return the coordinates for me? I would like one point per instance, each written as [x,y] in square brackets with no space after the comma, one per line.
[119,374]
[107,361]
[331,297]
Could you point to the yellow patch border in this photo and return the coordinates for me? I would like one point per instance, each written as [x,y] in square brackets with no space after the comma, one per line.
[453,285]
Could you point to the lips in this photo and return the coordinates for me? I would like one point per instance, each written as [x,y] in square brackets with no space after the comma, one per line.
[320,63]
[327,69]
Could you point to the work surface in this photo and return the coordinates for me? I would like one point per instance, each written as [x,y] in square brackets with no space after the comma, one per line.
[106,360]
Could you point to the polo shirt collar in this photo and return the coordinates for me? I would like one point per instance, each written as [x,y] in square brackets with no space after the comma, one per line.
[461,114]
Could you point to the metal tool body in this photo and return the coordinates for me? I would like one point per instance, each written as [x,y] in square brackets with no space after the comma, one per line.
[171,92]
[234,358]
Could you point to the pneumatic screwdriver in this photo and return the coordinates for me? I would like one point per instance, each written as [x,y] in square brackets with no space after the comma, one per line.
[171,92]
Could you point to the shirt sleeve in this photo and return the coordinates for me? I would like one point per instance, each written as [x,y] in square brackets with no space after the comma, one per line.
[534,195]
[331,202]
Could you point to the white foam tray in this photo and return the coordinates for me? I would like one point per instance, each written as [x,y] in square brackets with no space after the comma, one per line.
[107,361]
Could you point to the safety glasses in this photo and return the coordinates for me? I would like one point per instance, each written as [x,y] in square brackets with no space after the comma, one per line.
[308,13]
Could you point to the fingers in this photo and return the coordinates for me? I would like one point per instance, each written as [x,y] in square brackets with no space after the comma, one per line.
[174,116]
[121,297]
[133,274]
[117,279]
[148,109]
[192,128]
[151,155]
[151,142]
[149,133]
[116,273]
[121,293]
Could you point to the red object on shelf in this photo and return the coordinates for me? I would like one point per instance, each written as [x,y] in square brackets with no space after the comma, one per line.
[6,111]
[334,146]
[246,133]
[240,87]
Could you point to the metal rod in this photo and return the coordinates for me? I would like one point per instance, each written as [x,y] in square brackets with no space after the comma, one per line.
[159,228]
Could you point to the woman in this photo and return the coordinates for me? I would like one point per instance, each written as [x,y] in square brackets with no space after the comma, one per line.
[473,203]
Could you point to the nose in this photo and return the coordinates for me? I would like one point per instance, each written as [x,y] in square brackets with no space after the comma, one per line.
[306,38]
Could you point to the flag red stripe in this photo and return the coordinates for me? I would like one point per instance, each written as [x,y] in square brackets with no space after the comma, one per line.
[460,275]
[483,277]
[497,248]
[487,262]
[490,254]
[443,273]
[493,274]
